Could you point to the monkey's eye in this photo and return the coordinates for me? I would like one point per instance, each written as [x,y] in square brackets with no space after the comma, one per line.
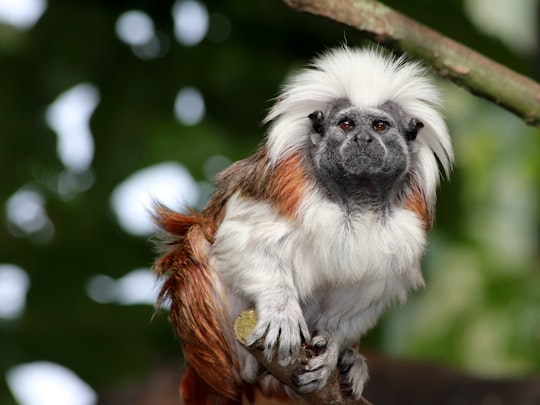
[346,125]
[380,125]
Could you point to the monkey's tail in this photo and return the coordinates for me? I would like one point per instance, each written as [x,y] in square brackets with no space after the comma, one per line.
[197,311]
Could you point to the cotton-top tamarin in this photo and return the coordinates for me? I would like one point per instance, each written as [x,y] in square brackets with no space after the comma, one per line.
[320,230]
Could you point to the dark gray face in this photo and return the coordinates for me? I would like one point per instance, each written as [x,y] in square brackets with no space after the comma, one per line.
[359,155]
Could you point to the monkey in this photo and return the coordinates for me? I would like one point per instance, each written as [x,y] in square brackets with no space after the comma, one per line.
[320,230]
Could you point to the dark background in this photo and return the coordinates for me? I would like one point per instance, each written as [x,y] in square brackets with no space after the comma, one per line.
[481,309]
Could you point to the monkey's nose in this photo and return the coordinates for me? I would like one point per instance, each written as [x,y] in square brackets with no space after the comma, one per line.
[363,139]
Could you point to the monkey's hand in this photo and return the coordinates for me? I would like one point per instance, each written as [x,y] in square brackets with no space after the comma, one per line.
[281,325]
[318,368]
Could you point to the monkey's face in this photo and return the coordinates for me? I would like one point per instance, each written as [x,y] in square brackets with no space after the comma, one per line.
[361,152]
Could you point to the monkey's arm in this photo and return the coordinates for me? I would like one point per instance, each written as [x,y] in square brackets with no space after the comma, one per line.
[252,250]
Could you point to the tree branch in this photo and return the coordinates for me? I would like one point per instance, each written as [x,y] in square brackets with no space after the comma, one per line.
[449,59]
[329,395]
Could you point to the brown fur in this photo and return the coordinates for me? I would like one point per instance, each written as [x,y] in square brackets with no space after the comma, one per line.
[284,185]
[197,313]
[416,202]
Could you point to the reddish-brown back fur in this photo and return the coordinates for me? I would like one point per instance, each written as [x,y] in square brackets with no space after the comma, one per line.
[416,202]
[289,185]
[284,185]
[197,313]
[194,390]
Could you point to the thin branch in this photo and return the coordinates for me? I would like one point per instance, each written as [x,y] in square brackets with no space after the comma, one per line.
[329,395]
[449,59]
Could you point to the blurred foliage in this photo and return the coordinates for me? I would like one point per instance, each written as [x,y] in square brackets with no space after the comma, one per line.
[481,309]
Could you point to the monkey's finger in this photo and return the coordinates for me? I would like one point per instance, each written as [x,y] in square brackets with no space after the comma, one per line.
[304,331]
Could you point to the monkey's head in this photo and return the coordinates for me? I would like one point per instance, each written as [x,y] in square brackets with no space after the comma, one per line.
[361,153]
[366,125]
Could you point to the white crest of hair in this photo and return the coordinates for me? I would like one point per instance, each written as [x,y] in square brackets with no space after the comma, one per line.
[367,78]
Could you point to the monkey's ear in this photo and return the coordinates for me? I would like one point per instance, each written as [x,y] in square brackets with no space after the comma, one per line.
[317,118]
[412,129]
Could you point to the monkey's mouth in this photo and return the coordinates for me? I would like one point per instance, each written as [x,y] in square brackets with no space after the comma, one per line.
[363,161]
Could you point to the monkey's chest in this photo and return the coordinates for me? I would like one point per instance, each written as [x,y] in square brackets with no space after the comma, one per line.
[358,256]
[337,266]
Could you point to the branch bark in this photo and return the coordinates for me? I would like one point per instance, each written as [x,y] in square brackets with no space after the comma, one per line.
[449,59]
[329,395]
